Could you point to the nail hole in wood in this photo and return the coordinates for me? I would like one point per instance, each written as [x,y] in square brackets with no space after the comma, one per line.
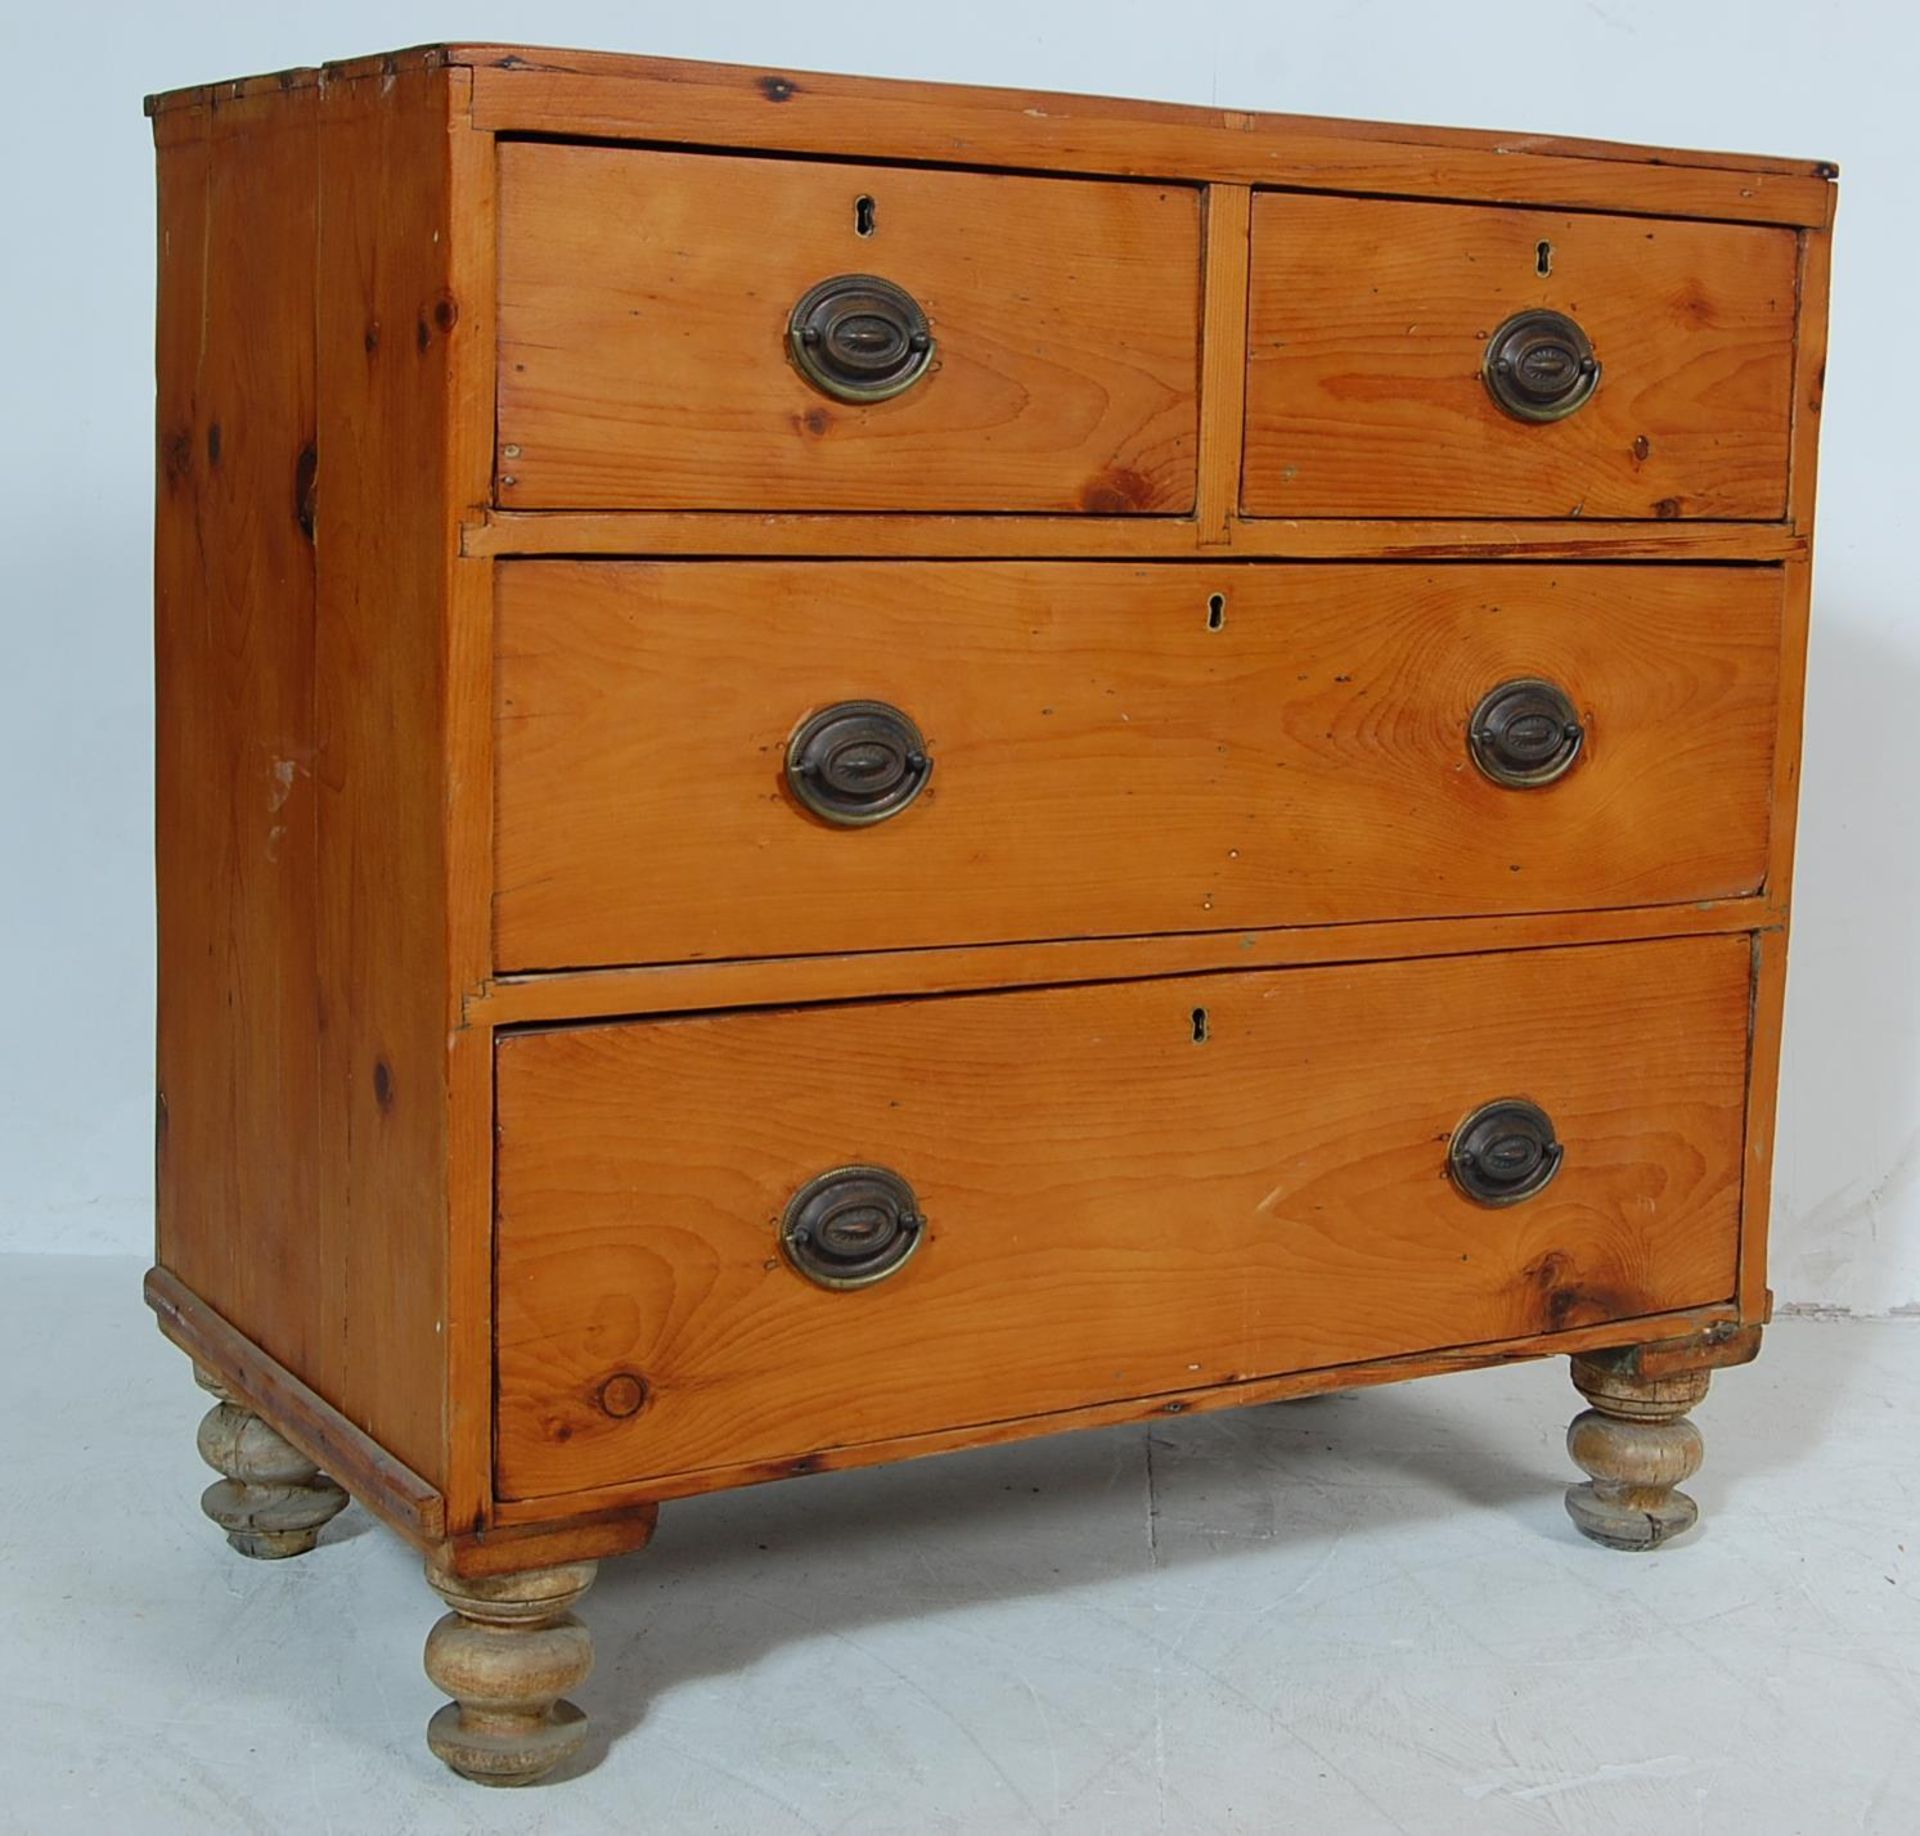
[1199,1026]
[863,215]
[1216,611]
[1543,257]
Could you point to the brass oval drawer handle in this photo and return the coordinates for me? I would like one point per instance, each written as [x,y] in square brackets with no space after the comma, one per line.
[1539,366]
[851,1227]
[1525,733]
[857,762]
[1504,1152]
[859,338]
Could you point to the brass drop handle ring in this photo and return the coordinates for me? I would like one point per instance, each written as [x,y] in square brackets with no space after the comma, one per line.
[1525,733]
[859,338]
[851,1227]
[1539,366]
[857,762]
[1504,1152]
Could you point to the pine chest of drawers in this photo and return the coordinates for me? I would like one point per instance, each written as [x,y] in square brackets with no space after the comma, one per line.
[848,769]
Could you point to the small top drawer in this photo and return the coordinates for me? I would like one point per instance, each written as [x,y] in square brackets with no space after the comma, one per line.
[1378,329]
[1041,336]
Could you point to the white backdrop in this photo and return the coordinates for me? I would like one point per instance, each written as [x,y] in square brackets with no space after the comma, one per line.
[1816,77]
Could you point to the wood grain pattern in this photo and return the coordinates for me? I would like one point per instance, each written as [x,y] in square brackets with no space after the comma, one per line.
[1635,1445]
[1223,361]
[661,100]
[323,737]
[906,535]
[271,1499]
[1809,393]
[1770,958]
[603,1509]
[1105,762]
[393,340]
[550,61]
[329,998]
[471,242]
[379,1483]
[505,1654]
[473,258]
[1370,319]
[1114,1208]
[497,1548]
[383,1485]
[416,59]
[1720,1347]
[237,1161]
[1525,539]
[678,988]
[643,317]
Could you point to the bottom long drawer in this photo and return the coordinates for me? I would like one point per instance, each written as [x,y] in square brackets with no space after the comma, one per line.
[1073,1195]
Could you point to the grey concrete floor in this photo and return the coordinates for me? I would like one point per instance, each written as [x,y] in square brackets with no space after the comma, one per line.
[1364,1613]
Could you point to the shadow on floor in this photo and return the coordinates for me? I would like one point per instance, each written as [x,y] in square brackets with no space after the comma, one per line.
[844,1551]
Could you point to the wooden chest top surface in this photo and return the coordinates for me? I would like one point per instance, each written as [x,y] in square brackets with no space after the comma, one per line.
[784,86]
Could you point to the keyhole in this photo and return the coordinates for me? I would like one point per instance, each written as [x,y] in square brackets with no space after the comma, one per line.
[1199,1026]
[1216,611]
[1543,258]
[863,217]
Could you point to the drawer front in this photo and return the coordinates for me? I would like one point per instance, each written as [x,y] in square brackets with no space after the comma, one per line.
[1371,322]
[1112,750]
[645,361]
[1125,1190]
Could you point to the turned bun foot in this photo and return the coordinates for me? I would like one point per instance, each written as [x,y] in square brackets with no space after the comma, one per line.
[1636,1445]
[272,1501]
[506,1654]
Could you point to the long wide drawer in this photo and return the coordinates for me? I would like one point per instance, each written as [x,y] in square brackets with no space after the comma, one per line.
[692,331]
[690,763]
[1104,1192]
